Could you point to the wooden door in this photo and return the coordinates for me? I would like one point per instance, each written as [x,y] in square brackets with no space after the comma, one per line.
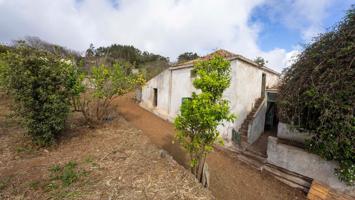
[155,100]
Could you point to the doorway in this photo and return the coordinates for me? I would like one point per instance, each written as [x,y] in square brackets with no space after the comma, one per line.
[155,99]
[263,85]
[271,119]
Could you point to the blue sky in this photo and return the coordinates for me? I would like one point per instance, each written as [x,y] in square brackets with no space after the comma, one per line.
[275,33]
[273,29]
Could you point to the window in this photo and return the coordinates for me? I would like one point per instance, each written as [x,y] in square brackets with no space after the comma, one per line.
[185,99]
[193,73]
[236,136]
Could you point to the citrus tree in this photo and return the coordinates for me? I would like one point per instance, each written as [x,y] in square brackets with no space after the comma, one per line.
[103,85]
[203,112]
[37,82]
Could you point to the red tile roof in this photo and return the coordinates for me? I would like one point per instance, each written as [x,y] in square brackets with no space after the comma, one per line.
[220,52]
[226,54]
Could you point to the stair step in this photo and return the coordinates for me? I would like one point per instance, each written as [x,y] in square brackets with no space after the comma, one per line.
[256,152]
[290,178]
[244,137]
[255,156]
[252,159]
[245,125]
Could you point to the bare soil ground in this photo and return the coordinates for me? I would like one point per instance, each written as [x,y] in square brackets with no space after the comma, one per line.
[115,161]
[230,178]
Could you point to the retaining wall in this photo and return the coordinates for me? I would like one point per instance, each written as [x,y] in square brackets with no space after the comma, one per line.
[285,131]
[298,160]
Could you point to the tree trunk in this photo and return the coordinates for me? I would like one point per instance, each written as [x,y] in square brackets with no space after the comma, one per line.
[200,166]
[197,170]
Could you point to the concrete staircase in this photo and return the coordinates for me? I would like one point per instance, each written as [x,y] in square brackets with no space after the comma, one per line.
[245,125]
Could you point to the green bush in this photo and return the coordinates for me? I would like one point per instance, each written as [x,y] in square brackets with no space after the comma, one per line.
[38,83]
[317,95]
[103,85]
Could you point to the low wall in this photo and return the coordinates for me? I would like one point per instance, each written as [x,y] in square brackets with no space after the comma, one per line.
[298,160]
[285,131]
[256,126]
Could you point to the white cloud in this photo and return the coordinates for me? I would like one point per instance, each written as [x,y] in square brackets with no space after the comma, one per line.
[306,16]
[167,27]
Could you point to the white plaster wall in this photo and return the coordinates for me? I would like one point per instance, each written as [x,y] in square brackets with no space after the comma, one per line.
[181,86]
[256,127]
[161,82]
[231,95]
[271,79]
[248,88]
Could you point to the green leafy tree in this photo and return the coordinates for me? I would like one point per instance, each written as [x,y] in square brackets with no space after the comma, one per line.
[129,56]
[90,52]
[187,56]
[39,44]
[260,61]
[37,81]
[199,116]
[75,82]
[104,84]
[317,96]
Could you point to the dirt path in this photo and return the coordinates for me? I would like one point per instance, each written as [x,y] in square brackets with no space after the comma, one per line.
[229,178]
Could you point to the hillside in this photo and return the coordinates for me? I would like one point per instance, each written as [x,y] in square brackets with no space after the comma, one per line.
[114,161]
[131,57]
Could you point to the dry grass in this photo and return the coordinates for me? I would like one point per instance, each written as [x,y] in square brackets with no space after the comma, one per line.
[115,161]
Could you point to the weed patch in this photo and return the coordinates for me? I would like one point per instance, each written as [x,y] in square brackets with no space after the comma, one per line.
[4,182]
[34,185]
[67,174]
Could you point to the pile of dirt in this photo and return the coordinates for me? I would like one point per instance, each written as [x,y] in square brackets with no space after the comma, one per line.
[115,161]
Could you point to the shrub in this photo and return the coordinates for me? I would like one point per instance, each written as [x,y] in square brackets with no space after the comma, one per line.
[317,95]
[103,85]
[38,83]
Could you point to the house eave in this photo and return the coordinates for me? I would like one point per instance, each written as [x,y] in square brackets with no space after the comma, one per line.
[237,57]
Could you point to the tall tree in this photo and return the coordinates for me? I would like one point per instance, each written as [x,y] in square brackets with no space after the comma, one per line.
[200,115]
[260,61]
[90,52]
[39,44]
[187,56]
